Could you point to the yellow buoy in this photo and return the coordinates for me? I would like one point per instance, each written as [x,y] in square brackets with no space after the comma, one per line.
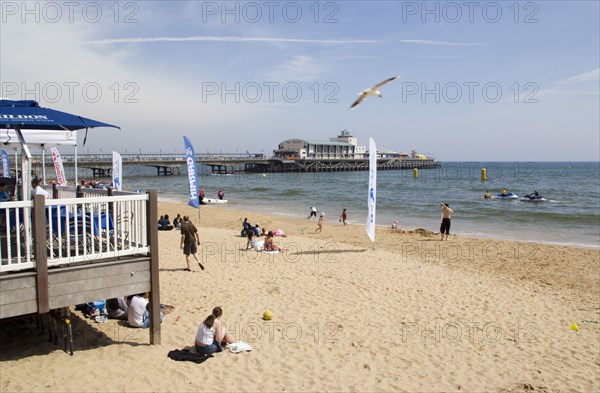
[415,172]
[483,174]
[574,327]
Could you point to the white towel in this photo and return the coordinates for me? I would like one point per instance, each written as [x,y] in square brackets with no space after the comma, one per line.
[239,346]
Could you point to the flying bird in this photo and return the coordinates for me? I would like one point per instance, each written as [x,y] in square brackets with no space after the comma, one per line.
[372,91]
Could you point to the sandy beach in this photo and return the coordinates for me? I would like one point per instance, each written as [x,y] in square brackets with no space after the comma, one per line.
[415,314]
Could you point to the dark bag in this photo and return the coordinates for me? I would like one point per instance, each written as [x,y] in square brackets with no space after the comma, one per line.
[186,354]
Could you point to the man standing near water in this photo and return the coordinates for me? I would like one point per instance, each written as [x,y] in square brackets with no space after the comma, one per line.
[190,240]
[446,215]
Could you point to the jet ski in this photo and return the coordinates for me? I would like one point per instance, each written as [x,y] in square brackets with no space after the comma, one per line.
[508,195]
[533,198]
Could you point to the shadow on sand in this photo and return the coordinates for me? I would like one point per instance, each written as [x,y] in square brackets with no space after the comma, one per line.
[29,335]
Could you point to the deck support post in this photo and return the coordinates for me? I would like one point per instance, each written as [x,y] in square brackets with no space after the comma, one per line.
[40,253]
[152,232]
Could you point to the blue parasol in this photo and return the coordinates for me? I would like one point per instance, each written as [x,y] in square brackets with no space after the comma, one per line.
[28,114]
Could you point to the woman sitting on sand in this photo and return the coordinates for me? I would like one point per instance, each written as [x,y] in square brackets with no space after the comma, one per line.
[205,337]
[269,245]
[221,334]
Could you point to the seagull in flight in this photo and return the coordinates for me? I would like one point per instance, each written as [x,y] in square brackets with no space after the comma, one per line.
[372,91]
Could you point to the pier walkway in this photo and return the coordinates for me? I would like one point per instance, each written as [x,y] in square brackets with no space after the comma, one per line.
[165,164]
[226,163]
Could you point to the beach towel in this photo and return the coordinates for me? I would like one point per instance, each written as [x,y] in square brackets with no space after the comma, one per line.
[239,346]
[186,354]
[271,252]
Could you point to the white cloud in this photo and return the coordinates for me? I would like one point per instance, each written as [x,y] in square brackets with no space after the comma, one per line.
[299,68]
[440,43]
[588,76]
[165,110]
[141,40]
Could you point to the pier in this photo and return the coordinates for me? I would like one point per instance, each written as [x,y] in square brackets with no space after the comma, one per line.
[340,165]
[175,164]
[165,164]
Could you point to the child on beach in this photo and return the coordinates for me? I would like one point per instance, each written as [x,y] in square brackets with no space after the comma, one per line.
[250,241]
[343,217]
[320,222]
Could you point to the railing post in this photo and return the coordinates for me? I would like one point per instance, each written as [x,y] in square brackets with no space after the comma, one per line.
[40,253]
[152,233]
[110,192]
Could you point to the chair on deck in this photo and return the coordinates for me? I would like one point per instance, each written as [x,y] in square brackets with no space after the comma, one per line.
[120,234]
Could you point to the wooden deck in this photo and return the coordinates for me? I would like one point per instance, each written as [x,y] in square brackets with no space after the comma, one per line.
[99,247]
[72,285]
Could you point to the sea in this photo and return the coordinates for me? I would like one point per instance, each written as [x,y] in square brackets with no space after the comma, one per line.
[570,216]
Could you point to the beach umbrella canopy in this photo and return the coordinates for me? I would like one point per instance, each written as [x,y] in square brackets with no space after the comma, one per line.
[28,114]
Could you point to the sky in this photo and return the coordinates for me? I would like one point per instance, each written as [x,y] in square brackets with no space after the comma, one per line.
[480,81]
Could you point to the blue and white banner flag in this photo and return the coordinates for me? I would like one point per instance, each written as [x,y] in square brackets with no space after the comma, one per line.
[372,200]
[190,159]
[117,171]
[5,168]
[61,179]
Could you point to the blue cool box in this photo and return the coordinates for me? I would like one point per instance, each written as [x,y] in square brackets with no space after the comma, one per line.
[99,304]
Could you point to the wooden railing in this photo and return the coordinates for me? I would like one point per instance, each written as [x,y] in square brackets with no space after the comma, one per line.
[76,229]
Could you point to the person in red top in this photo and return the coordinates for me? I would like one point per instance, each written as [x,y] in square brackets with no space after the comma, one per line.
[343,216]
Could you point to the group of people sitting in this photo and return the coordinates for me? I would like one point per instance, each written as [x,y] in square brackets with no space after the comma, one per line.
[164,223]
[212,336]
[94,184]
[251,232]
[135,310]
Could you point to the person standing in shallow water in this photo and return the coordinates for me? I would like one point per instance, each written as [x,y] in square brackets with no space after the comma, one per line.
[343,217]
[190,240]
[446,215]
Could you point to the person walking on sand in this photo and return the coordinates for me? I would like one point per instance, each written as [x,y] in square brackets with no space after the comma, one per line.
[343,217]
[190,240]
[320,222]
[446,215]
[313,213]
